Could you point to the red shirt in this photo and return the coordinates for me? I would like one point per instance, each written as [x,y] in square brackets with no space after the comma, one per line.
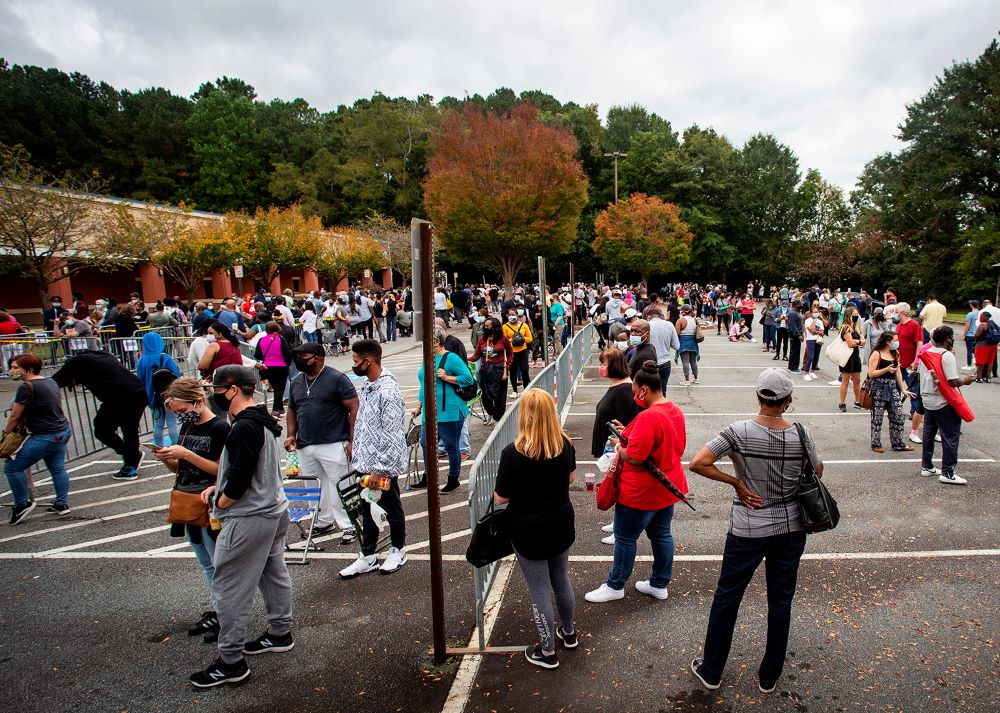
[658,433]
[909,334]
[9,326]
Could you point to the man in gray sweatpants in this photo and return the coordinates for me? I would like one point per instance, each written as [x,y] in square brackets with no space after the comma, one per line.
[250,503]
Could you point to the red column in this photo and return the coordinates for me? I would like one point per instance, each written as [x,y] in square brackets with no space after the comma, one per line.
[222,284]
[386,278]
[342,286]
[153,286]
[310,280]
[62,287]
[275,286]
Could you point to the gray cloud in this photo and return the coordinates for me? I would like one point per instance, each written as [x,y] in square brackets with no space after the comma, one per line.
[829,79]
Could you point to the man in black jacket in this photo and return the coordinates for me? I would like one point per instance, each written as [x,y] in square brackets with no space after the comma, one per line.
[639,332]
[123,403]
[795,331]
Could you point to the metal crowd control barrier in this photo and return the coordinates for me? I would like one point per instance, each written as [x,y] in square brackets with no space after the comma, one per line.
[558,379]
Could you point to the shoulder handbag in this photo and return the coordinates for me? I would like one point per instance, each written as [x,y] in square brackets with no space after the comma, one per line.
[838,352]
[817,508]
[699,337]
[10,443]
[867,399]
[491,538]
[466,393]
[187,509]
[610,488]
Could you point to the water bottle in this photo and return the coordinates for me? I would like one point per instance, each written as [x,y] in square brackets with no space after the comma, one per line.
[213,522]
[292,464]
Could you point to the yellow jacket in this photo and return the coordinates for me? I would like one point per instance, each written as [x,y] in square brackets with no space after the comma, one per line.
[509,330]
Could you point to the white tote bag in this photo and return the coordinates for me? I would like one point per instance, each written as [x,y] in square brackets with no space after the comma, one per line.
[838,352]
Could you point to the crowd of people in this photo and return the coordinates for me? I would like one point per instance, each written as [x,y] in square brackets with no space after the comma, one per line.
[226,445]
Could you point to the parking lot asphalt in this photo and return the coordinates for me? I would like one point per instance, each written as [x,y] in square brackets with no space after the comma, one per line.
[896,609]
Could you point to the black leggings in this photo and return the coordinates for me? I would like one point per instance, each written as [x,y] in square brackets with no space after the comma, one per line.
[124,416]
[723,321]
[277,376]
[519,370]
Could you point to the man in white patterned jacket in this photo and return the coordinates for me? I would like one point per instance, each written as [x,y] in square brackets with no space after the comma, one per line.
[379,449]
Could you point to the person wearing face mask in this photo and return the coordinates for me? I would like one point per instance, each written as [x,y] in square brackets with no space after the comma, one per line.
[55,313]
[195,460]
[38,407]
[639,340]
[273,356]
[322,408]
[250,504]
[342,322]
[223,348]
[380,450]
[496,353]
[911,339]
[644,503]
[850,332]
[815,328]
[887,389]
[153,360]
[518,333]
[623,344]
[765,525]
[617,404]
[478,320]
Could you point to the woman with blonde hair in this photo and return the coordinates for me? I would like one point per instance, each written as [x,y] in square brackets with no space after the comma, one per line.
[850,332]
[533,478]
[195,460]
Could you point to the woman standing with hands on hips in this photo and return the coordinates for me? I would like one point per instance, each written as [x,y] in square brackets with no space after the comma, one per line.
[533,478]
[768,457]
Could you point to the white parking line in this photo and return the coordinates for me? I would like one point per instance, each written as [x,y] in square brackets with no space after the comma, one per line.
[688,414]
[48,481]
[96,520]
[115,538]
[444,538]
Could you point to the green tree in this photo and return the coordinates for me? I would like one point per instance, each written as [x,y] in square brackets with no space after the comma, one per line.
[273,239]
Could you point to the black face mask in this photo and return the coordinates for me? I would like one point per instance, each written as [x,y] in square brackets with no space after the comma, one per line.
[359,370]
[222,401]
[302,364]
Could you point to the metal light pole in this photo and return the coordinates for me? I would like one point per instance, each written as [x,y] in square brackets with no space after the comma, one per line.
[545,316]
[616,155]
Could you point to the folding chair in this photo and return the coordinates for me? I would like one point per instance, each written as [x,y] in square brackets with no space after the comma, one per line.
[475,405]
[349,488]
[308,509]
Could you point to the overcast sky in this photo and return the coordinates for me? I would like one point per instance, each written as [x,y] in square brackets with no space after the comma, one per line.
[831,79]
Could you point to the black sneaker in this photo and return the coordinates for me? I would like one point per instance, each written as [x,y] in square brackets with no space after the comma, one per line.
[534,655]
[269,644]
[54,509]
[126,472]
[569,640]
[422,483]
[842,408]
[19,513]
[695,665]
[451,485]
[324,529]
[208,622]
[219,673]
[348,536]
[767,689]
[211,637]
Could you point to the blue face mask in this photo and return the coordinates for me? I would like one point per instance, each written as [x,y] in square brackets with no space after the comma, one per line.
[635,340]
[894,346]
[480,318]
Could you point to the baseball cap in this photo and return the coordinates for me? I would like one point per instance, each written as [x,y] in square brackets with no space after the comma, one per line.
[774,384]
[234,375]
[309,348]
[630,313]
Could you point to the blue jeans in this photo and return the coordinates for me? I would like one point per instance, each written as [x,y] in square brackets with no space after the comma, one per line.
[390,328]
[629,524]
[450,432]
[912,381]
[50,447]
[310,337]
[970,350]
[770,334]
[781,555]
[463,440]
[162,416]
[204,551]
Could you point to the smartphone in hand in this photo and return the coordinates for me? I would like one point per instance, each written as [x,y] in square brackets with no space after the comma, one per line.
[151,446]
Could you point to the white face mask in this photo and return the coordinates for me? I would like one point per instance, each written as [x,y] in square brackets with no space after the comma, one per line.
[621,345]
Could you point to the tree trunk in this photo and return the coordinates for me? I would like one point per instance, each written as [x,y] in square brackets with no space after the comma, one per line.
[510,265]
[645,281]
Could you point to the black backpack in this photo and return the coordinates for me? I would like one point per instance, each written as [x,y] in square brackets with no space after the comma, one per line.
[466,393]
[161,379]
[517,339]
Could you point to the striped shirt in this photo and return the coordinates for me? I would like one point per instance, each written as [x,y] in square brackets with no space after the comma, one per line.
[769,461]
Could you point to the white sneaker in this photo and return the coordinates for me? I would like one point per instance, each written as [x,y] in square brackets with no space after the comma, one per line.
[930,471]
[695,381]
[609,540]
[645,587]
[604,593]
[966,368]
[953,480]
[807,377]
[833,383]
[362,565]
[610,527]
[395,560]
[937,437]
[914,438]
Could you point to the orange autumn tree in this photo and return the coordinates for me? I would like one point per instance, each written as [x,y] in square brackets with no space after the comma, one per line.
[500,190]
[643,235]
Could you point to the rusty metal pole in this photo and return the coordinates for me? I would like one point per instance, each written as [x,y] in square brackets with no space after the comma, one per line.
[431,439]
[572,297]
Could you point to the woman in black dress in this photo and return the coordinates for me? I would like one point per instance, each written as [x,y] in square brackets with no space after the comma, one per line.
[850,332]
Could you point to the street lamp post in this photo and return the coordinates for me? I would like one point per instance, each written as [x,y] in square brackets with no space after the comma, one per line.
[997,300]
[616,155]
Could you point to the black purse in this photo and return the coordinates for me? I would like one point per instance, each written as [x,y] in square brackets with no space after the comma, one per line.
[491,538]
[817,508]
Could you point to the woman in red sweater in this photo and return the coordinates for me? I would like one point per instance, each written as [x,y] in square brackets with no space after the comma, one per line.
[645,504]
[496,354]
